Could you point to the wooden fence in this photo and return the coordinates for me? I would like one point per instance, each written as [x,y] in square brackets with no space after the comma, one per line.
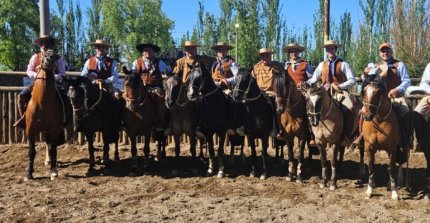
[9,113]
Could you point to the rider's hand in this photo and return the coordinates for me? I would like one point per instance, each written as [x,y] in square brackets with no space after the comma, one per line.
[393,93]
[335,87]
[366,71]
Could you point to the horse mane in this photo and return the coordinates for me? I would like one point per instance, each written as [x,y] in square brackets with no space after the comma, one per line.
[315,89]
[376,81]
[280,82]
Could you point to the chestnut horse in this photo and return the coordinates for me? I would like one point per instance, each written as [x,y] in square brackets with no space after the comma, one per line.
[292,106]
[381,131]
[326,119]
[95,110]
[44,114]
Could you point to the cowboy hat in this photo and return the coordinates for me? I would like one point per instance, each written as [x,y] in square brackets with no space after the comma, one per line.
[222,45]
[142,46]
[293,46]
[190,43]
[385,45]
[265,51]
[45,39]
[100,42]
[331,43]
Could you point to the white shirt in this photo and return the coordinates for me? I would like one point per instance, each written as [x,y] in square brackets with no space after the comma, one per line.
[345,68]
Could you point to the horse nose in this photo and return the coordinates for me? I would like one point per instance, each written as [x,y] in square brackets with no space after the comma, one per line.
[368,117]
[281,109]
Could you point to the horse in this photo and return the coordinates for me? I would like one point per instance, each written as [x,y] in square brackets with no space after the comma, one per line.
[182,116]
[258,115]
[44,114]
[95,110]
[381,131]
[213,112]
[292,106]
[140,117]
[326,119]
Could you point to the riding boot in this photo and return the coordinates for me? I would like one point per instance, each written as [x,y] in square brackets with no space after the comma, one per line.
[22,105]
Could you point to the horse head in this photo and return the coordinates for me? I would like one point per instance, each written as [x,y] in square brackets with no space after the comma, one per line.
[134,90]
[196,82]
[314,102]
[372,97]
[173,84]
[49,60]
[243,85]
[77,92]
[282,87]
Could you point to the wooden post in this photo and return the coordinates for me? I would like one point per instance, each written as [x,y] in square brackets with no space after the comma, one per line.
[45,27]
[1,117]
[326,20]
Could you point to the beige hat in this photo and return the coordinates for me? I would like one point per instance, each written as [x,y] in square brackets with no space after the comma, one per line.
[100,42]
[293,46]
[222,45]
[265,51]
[190,43]
[331,43]
[45,39]
[385,45]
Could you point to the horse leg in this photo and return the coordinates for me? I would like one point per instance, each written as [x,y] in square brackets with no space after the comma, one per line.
[193,145]
[341,155]
[91,160]
[146,148]
[211,155]
[231,157]
[253,156]
[323,158]
[242,155]
[47,158]
[176,138]
[116,152]
[106,161]
[265,145]
[334,164]
[362,171]
[31,156]
[391,170]
[134,161]
[291,163]
[221,156]
[302,144]
[53,155]
[427,155]
[370,165]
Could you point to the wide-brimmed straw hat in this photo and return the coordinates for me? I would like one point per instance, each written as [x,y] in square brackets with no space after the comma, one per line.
[385,45]
[220,45]
[100,42]
[331,43]
[190,43]
[44,40]
[265,51]
[293,46]
[142,46]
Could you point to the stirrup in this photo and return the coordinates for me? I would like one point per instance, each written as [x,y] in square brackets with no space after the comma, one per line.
[20,123]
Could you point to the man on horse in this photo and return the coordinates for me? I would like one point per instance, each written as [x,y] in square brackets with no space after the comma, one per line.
[396,79]
[102,69]
[184,64]
[264,72]
[224,68]
[336,75]
[298,69]
[150,69]
[423,107]
[45,42]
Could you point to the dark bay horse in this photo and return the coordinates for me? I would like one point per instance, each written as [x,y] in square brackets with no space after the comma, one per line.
[381,131]
[258,115]
[183,119]
[213,112]
[326,119]
[95,110]
[291,104]
[44,114]
[140,117]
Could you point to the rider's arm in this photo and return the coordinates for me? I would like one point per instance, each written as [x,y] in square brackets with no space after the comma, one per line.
[31,69]
[309,70]
[425,80]
[114,73]
[61,69]
[404,77]
[316,76]
[84,72]
[350,80]
[234,68]
[163,67]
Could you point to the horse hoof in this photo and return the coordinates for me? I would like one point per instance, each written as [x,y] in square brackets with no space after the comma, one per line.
[369,192]
[299,179]
[175,172]
[54,176]
[106,172]
[220,175]
[90,173]
[427,197]
[252,174]
[289,178]
[263,177]
[322,185]
[47,162]
[132,174]
[210,172]
[395,196]
[333,187]
[28,178]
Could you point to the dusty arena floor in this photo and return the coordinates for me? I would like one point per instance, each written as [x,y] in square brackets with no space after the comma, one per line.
[157,196]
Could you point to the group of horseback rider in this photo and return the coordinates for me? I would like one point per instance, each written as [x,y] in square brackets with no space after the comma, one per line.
[334,73]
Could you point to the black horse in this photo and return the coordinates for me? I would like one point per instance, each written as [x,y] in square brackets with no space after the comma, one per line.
[182,116]
[258,115]
[95,110]
[213,112]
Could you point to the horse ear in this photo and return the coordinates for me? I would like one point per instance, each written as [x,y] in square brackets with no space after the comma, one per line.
[125,70]
[190,66]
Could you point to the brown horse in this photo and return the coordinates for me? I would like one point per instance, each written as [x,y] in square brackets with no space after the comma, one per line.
[44,114]
[292,106]
[326,119]
[381,131]
[139,116]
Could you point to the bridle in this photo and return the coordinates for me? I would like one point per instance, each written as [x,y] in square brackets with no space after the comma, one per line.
[378,106]
[141,99]
[245,92]
[288,99]
[315,113]
[198,88]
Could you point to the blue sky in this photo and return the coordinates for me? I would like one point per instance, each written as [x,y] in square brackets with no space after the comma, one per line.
[297,13]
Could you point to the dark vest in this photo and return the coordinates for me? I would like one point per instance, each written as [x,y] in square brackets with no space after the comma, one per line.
[392,80]
[101,74]
[224,72]
[150,75]
[338,77]
[300,75]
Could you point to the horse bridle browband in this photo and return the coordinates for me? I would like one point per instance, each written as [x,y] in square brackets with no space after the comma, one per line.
[322,105]
[245,99]
[378,106]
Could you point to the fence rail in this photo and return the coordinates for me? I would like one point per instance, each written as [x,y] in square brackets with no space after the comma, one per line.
[9,114]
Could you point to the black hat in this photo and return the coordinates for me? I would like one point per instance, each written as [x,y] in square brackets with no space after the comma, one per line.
[140,47]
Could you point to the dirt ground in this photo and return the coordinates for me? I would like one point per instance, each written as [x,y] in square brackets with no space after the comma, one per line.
[157,196]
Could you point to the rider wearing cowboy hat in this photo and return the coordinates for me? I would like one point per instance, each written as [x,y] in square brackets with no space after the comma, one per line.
[45,42]
[150,69]
[337,76]
[298,69]
[101,67]
[224,68]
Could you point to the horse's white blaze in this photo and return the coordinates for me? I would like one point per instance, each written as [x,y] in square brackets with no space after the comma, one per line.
[369,93]
[314,99]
